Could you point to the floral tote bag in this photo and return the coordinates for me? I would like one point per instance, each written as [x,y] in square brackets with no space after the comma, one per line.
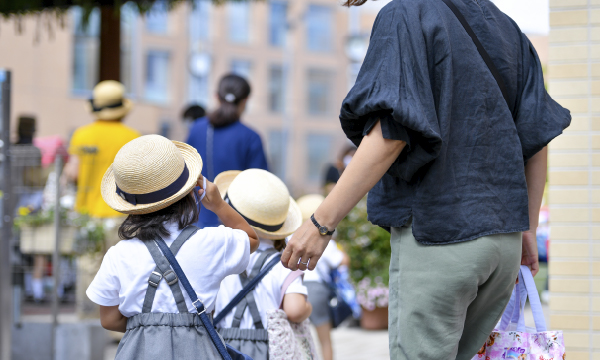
[512,340]
[288,340]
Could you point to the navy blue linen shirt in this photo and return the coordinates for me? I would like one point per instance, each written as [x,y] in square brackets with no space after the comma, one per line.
[235,147]
[461,175]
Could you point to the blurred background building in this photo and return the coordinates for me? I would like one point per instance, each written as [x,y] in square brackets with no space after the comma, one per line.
[293,53]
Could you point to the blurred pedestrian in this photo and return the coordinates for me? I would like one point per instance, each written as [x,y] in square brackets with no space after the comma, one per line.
[319,282]
[152,180]
[223,141]
[94,147]
[452,150]
[334,171]
[264,200]
[192,113]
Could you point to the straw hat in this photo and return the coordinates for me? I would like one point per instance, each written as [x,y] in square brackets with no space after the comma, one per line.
[149,174]
[107,102]
[308,204]
[263,200]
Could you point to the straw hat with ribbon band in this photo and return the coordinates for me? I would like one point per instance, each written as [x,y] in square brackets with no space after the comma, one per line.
[308,204]
[263,200]
[108,102]
[149,174]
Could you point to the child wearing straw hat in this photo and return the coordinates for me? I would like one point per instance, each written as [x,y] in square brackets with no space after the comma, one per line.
[264,201]
[152,180]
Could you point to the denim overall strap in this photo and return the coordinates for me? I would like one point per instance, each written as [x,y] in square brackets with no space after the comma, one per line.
[200,309]
[249,300]
[157,275]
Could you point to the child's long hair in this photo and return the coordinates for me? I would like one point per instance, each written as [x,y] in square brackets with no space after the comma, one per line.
[152,226]
[233,89]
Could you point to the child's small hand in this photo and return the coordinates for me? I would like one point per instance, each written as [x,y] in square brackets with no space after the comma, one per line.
[212,201]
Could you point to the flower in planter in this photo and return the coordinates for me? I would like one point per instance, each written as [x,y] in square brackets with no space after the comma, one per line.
[372,294]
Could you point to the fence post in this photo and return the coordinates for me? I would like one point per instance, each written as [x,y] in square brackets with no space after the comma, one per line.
[56,254]
[6,296]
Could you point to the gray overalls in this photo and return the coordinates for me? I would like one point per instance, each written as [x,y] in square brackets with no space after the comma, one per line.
[253,342]
[162,336]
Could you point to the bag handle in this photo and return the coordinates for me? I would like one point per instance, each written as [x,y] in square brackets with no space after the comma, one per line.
[286,284]
[249,287]
[486,57]
[200,309]
[515,310]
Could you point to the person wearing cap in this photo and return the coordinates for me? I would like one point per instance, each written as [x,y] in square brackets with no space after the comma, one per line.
[93,147]
[265,202]
[152,180]
[223,141]
[452,121]
[318,281]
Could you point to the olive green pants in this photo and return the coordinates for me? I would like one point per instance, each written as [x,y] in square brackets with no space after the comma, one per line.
[446,299]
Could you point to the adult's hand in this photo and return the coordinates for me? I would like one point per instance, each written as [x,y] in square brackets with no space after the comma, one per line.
[372,159]
[306,245]
[529,255]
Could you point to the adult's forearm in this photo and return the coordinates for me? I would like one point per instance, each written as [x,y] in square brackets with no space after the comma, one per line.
[535,174]
[372,159]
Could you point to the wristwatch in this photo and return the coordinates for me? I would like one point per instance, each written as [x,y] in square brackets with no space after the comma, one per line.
[323,230]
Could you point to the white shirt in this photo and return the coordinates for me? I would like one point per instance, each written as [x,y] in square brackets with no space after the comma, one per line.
[266,294]
[331,259]
[206,259]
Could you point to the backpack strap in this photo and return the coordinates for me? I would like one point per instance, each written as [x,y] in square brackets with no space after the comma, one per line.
[163,270]
[249,301]
[484,54]
[247,289]
[288,281]
[200,309]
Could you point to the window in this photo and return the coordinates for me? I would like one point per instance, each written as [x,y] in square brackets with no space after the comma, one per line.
[277,153]
[320,90]
[276,89]
[319,147]
[319,28]
[129,17]
[85,51]
[157,76]
[277,23]
[239,22]
[242,68]
[157,18]
[199,22]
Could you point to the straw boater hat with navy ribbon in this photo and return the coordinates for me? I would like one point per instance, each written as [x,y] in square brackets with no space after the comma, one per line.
[108,101]
[263,200]
[149,174]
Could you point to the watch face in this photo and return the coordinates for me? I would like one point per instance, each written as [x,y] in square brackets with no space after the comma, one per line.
[323,230]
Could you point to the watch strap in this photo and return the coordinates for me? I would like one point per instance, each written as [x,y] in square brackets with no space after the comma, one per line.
[316,223]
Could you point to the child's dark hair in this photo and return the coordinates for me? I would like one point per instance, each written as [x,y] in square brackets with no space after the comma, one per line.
[349,3]
[233,89]
[279,244]
[152,226]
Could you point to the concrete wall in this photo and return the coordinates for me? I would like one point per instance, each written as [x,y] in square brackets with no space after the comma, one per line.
[574,176]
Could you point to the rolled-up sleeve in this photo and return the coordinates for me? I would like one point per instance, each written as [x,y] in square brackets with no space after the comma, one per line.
[538,118]
[390,88]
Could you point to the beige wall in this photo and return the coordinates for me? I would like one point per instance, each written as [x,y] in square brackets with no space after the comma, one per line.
[574,176]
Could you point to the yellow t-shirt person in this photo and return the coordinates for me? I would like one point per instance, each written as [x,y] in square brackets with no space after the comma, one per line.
[96,146]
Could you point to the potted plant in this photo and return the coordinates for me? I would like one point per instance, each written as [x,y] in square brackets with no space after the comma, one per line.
[369,249]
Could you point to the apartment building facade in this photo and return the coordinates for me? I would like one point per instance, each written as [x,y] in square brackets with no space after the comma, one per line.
[293,53]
